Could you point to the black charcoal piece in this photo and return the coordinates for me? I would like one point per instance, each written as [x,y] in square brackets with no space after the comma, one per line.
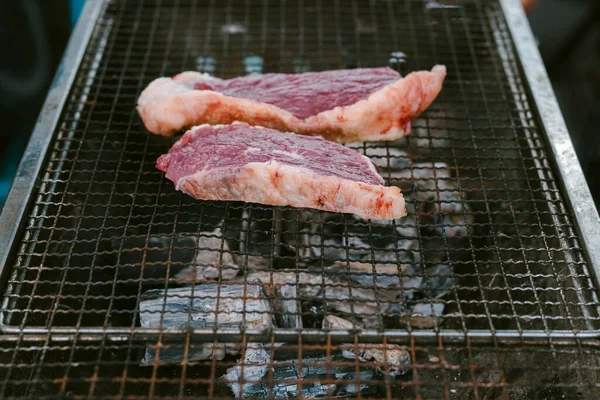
[438,281]
[287,307]
[288,374]
[244,380]
[390,359]
[381,275]
[346,297]
[424,315]
[173,353]
[239,306]
[213,259]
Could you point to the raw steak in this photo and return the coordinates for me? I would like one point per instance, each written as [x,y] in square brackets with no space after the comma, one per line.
[249,163]
[344,105]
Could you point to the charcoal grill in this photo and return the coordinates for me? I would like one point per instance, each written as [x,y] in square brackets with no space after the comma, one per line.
[116,285]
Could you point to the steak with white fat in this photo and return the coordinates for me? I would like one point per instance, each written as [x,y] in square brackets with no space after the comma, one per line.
[368,104]
[239,162]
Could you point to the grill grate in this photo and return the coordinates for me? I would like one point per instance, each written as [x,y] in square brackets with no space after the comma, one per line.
[488,245]
[442,372]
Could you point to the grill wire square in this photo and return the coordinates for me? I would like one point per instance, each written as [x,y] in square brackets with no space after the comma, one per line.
[147,283]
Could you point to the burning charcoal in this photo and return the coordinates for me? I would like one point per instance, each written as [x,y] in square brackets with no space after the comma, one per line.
[287,375]
[385,158]
[245,382]
[337,293]
[287,307]
[436,194]
[332,322]
[427,178]
[431,135]
[389,359]
[424,315]
[196,307]
[175,353]
[364,303]
[363,240]
[239,306]
[329,248]
[383,275]
[211,262]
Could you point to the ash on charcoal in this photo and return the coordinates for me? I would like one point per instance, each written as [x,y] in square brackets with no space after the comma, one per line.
[357,240]
[385,158]
[175,353]
[333,322]
[288,374]
[243,381]
[424,315]
[439,200]
[388,359]
[384,276]
[434,202]
[239,306]
[367,304]
[431,283]
[288,310]
[213,260]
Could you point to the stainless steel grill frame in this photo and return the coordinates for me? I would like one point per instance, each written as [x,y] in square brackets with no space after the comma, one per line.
[83,232]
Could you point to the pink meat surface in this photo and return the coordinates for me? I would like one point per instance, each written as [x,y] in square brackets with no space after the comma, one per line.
[239,162]
[308,94]
[343,105]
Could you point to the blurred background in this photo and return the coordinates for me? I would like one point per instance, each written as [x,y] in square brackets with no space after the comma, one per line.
[33,35]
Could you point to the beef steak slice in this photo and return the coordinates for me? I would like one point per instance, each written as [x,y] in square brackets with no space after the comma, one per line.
[368,104]
[240,162]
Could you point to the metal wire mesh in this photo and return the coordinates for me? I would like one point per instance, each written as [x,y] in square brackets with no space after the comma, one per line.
[436,372]
[488,243]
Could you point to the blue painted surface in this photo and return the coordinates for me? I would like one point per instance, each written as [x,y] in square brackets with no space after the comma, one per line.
[75,7]
[8,167]
[12,155]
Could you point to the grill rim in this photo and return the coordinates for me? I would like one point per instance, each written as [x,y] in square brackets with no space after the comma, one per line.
[418,336]
[570,179]
[19,197]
